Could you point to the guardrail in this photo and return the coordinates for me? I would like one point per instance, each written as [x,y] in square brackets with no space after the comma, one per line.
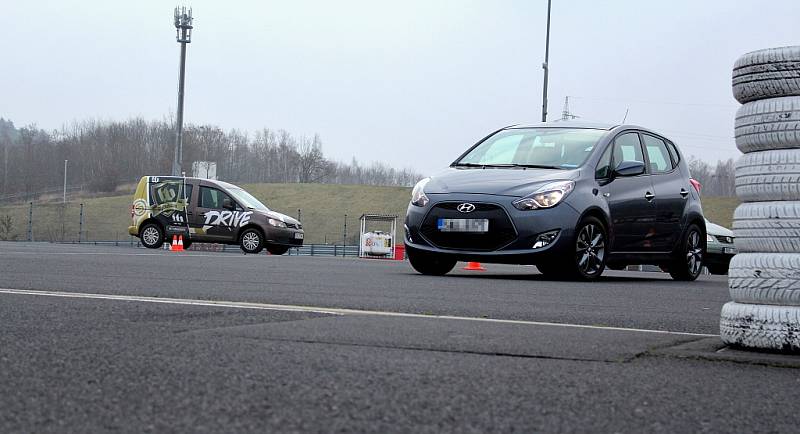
[306,250]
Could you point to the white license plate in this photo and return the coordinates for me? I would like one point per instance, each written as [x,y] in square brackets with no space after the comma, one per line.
[463,225]
[730,250]
[298,235]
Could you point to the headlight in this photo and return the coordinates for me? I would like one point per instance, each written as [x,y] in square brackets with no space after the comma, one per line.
[709,238]
[548,196]
[418,197]
[276,223]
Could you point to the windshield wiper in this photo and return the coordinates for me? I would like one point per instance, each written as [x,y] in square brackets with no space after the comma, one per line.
[467,165]
[526,166]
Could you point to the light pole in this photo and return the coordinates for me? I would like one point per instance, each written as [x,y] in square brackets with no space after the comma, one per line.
[183,29]
[545,65]
[65,181]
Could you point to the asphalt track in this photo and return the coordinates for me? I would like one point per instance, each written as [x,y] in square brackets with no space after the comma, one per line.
[121,339]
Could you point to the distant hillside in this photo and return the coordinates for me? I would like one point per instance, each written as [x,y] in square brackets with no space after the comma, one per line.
[322,206]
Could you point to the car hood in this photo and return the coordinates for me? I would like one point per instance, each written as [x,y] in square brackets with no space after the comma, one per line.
[500,181]
[277,216]
[715,229]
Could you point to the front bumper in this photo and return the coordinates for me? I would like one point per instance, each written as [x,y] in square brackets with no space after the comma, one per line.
[285,236]
[719,253]
[515,247]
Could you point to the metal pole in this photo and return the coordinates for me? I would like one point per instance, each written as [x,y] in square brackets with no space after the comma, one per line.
[545,65]
[299,215]
[80,226]
[30,223]
[183,26]
[65,181]
[176,166]
[344,237]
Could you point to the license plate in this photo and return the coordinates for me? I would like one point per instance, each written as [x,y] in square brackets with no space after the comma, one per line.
[298,235]
[463,225]
[730,250]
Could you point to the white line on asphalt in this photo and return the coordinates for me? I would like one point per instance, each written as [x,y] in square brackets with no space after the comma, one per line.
[328,310]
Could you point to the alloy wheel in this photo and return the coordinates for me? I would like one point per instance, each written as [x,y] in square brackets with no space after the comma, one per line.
[590,249]
[694,253]
[251,240]
[150,235]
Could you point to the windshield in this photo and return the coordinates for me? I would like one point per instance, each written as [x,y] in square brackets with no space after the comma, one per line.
[247,199]
[557,148]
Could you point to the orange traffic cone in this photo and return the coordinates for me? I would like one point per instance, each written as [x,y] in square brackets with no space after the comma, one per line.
[474,266]
[180,243]
[174,246]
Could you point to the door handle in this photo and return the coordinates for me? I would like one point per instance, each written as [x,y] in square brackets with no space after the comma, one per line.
[649,196]
[684,193]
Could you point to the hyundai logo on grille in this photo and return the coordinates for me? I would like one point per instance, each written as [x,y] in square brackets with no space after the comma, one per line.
[466,207]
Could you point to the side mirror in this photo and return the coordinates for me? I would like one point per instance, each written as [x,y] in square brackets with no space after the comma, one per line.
[227,204]
[629,168]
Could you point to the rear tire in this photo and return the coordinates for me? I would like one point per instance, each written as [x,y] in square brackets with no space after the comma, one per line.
[277,250]
[688,262]
[430,264]
[251,241]
[152,236]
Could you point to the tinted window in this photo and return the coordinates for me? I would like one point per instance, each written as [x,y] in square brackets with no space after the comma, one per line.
[604,168]
[212,198]
[660,161]
[563,148]
[673,152]
[627,148]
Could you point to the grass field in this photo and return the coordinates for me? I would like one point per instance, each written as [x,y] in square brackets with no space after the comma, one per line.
[322,206]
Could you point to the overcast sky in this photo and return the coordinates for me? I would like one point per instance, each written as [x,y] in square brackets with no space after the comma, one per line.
[411,83]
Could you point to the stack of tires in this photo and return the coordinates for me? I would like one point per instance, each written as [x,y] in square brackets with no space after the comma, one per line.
[764,279]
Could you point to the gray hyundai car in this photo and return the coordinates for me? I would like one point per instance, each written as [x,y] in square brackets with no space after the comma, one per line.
[571,198]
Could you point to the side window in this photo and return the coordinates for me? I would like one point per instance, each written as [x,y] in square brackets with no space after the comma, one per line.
[604,168]
[166,192]
[660,161]
[212,198]
[673,152]
[627,148]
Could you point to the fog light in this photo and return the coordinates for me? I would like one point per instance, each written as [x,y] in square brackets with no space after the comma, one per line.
[545,239]
[408,233]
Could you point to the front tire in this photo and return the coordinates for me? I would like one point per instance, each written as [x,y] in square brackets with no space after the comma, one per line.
[688,262]
[251,241]
[152,236]
[430,264]
[588,258]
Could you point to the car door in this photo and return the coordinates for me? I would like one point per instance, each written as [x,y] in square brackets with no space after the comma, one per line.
[671,189]
[211,221]
[629,198]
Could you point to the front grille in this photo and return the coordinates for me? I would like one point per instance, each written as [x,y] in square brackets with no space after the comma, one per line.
[294,226]
[501,230]
[724,239]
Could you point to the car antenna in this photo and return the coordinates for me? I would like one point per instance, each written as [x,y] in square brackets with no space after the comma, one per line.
[626,114]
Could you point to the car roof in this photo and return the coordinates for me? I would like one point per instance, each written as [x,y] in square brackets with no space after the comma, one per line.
[567,124]
[193,179]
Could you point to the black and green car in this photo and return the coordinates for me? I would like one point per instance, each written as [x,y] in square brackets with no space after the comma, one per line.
[719,248]
[208,211]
